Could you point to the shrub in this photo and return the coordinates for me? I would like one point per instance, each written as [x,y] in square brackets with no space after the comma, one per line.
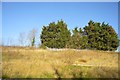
[43,46]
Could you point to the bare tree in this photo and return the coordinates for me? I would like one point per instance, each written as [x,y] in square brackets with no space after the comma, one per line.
[22,39]
[31,37]
[9,41]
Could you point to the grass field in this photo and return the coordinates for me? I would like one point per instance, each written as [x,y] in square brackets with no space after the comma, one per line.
[40,63]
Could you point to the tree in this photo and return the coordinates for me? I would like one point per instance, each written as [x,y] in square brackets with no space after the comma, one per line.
[31,37]
[33,41]
[78,39]
[22,38]
[95,35]
[101,36]
[55,35]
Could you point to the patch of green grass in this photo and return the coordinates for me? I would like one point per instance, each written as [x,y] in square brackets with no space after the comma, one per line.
[5,76]
[28,77]
[47,75]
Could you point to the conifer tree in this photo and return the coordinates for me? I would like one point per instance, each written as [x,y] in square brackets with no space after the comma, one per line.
[55,35]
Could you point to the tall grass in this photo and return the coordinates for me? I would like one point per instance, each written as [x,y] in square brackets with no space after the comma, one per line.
[40,63]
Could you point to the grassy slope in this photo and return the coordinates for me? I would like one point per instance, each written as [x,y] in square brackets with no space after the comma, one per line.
[39,63]
[0,62]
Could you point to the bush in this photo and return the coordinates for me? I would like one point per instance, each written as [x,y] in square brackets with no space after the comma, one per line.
[43,46]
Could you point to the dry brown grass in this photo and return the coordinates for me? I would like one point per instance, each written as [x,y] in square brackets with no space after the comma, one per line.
[40,63]
[0,62]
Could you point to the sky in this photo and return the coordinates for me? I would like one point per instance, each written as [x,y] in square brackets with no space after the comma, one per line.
[0,22]
[20,17]
[60,0]
[119,21]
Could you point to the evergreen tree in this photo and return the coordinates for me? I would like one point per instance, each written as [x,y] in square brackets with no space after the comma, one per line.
[55,35]
[101,36]
[78,39]
[94,36]
[33,42]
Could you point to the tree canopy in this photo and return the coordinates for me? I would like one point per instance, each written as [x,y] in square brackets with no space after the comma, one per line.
[101,36]
[55,35]
[95,35]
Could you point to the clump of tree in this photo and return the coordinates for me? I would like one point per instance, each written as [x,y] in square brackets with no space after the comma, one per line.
[55,35]
[78,40]
[96,35]
[101,36]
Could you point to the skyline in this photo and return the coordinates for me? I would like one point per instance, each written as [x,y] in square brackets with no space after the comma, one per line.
[22,17]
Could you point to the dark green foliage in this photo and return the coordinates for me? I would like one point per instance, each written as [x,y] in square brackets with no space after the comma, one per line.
[42,46]
[78,40]
[55,35]
[33,41]
[119,42]
[5,77]
[101,36]
[94,36]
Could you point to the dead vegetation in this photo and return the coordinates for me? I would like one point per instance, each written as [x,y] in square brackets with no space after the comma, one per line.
[40,63]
